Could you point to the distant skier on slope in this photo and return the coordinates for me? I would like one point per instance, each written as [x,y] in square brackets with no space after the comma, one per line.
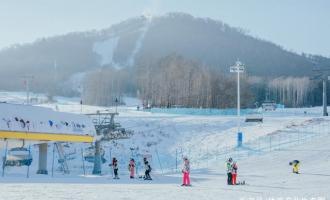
[229,166]
[131,168]
[114,166]
[147,169]
[295,166]
[186,172]
[234,173]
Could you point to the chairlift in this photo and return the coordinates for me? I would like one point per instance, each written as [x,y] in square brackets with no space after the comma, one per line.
[18,156]
[89,154]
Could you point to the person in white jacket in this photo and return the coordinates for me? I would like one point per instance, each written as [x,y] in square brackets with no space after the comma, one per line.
[229,168]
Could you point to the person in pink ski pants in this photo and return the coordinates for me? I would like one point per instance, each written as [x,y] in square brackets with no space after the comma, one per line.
[131,168]
[234,173]
[186,172]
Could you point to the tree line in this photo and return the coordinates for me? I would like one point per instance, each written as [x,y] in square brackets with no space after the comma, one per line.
[176,81]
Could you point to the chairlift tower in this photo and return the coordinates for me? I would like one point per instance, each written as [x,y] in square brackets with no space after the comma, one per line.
[106,130]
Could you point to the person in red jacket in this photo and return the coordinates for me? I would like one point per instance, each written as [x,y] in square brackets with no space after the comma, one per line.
[234,173]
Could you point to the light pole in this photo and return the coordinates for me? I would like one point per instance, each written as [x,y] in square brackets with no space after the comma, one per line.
[238,68]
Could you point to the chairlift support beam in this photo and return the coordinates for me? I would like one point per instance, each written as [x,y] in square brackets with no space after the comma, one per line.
[106,131]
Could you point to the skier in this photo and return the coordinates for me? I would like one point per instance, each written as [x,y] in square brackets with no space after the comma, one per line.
[229,166]
[234,173]
[114,166]
[186,172]
[295,166]
[131,168]
[147,169]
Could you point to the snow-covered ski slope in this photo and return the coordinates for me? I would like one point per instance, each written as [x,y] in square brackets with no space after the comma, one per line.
[263,161]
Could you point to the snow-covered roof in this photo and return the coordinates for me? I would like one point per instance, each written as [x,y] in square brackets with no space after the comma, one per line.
[27,118]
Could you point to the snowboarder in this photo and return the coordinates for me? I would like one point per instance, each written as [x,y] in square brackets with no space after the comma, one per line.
[114,166]
[234,173]
[229,166]
[131,168]
[147,169]
[295,166]
[186,172]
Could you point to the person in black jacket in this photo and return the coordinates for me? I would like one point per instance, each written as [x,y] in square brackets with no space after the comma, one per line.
[114,165]
[147,169]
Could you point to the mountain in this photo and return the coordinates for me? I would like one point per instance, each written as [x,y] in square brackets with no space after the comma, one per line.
[55,61]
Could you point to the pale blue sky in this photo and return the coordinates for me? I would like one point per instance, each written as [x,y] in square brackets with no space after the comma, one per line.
[298,25]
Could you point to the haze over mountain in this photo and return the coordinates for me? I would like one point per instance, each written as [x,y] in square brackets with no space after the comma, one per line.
[58,62]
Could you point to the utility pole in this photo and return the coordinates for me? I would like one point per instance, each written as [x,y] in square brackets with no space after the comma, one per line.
[325,112]
[27,80]
[116,101]
[238,68]
[55,71]
[324,75]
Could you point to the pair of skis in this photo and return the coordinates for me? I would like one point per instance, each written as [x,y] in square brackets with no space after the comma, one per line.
[144,178]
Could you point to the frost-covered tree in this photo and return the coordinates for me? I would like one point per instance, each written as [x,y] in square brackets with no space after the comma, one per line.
[291,91]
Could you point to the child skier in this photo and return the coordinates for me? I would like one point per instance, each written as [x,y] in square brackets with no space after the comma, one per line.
[234,173]
[131,168]
[295,166]
[147,169]
[114,166]
[229,166]
[186,172]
